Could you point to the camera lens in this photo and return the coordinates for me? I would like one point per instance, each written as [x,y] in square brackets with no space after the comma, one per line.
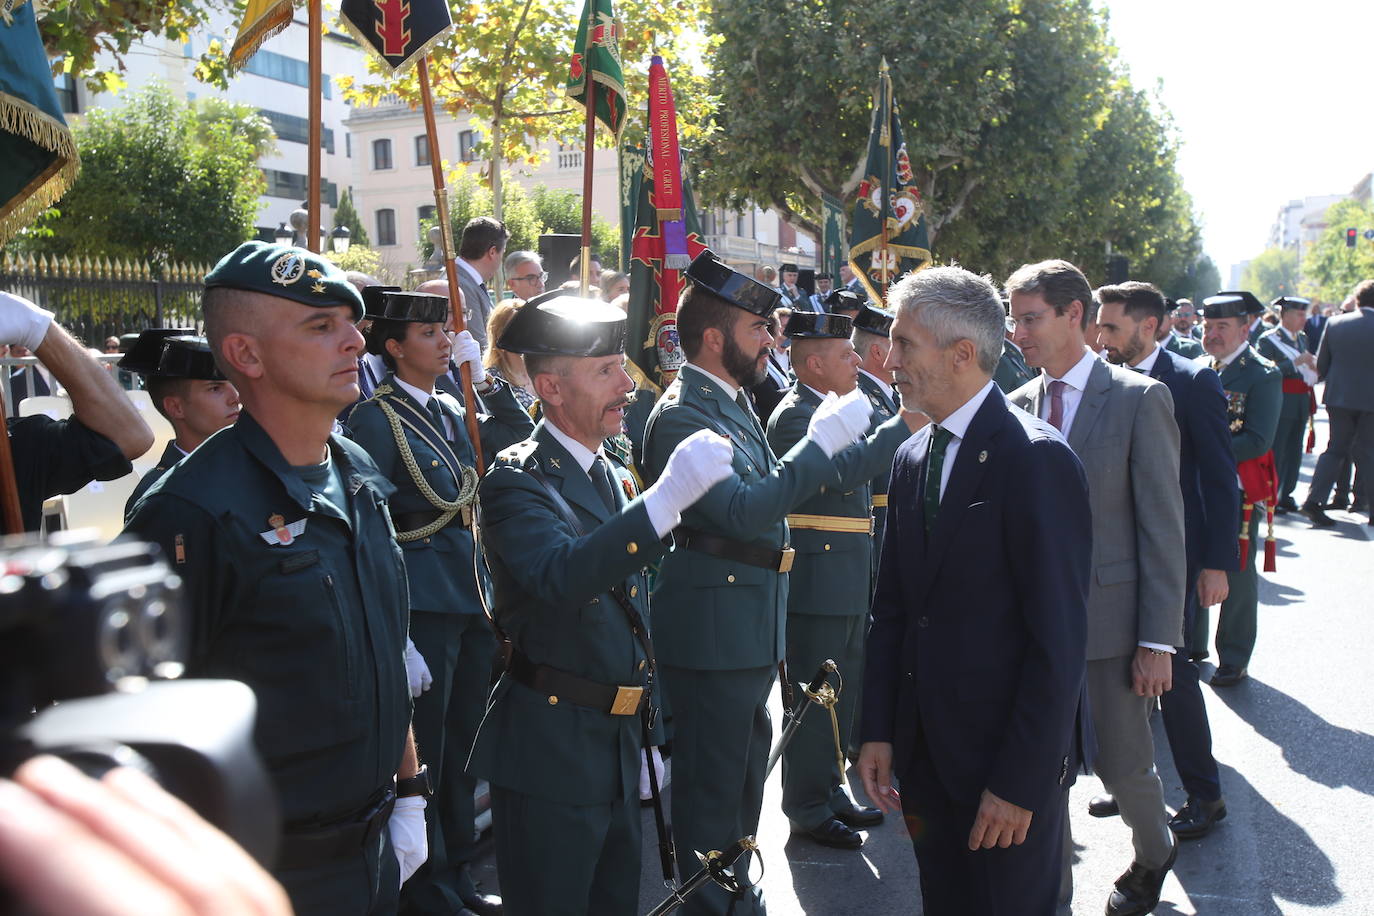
[119,644]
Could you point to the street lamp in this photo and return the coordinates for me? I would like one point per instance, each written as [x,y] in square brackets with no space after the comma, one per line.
[283,234]
[340,240]
[324,241]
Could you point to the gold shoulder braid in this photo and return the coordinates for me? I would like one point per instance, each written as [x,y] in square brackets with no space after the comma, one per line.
[467,490]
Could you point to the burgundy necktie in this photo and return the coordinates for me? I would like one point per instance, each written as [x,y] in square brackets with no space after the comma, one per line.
[1057,404]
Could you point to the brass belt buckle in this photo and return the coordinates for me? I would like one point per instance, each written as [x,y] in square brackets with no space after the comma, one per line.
[627,701]
[788,555]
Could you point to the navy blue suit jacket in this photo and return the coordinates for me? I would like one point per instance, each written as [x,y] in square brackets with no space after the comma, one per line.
[979,633]
[1206,467]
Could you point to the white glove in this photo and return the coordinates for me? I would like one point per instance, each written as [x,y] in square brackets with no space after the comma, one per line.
[645,789]
[22,323]
[839,422]
[417,672]
[466,349]
[407,827]
[699,462]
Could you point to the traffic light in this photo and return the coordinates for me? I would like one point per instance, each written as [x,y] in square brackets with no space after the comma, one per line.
[1350,236]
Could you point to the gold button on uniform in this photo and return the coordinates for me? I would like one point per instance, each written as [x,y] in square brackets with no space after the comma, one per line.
[730,578]
[634,591]
[632,548]
[434,464]
[553,701]
[827,546]
[641,664]
[426,540]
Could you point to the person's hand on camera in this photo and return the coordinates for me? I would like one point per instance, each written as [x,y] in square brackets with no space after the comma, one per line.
[22,323]
[120,846]
[417,670]
[407,826]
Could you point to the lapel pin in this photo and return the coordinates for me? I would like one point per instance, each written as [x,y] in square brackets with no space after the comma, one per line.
[982,456]
[555,462]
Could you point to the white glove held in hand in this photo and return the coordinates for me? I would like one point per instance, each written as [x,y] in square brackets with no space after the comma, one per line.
[699,462]
[466,349]
[407,827]
[840,421]
[22,323]
[417,671]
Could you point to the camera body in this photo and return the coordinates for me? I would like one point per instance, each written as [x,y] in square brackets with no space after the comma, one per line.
[92,637]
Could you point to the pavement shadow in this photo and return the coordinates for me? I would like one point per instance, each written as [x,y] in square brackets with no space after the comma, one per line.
[1276,594]
[1290,868]
[1311,745]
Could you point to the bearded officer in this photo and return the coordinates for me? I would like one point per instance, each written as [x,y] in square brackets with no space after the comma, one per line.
[186,387]
[720,604]
[568,536]
[828,597]
[278,530]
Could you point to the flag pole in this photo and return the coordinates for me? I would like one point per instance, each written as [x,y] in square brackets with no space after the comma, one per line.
[455,298]
[588,152]
[10,511]
[885,88]
[315,23]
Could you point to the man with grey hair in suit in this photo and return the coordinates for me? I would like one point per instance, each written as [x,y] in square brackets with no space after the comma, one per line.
[1121,425]
[1345,361]
[480,251]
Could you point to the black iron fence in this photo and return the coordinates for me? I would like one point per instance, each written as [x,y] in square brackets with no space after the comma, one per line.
[96,298]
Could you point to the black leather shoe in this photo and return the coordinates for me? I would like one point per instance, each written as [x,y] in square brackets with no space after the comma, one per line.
[1137,892]
[858,816]
[1197,818]
[1338,501]
[1228,676]
[1103,806]
[1287,504]
[1201,655]
[836,835]
[1316,516]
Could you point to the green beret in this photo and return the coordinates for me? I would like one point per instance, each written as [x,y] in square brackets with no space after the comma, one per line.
[287,273]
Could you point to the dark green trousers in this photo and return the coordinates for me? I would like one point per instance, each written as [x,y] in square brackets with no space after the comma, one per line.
[1238,622]
[458,649]
[722,734]
[1288,445]
[812,781]
[363,884]
[557,859]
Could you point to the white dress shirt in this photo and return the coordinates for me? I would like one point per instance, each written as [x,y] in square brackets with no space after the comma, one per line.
[1148,363]
[1075,381]
[1235,354]
[660,516]
[423,397]
[957,424]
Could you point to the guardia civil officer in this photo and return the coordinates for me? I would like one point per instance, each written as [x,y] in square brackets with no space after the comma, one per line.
[871,342]
[294,582]
[1286,346]
[186,387]
[419,439]
[828,597]
[568,537]
[1254,397]
[719,609]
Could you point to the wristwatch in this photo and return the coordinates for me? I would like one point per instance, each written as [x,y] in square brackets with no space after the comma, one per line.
[1152,652]
[415,785]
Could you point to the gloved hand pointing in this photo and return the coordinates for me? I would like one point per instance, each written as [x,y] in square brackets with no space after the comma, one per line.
[839,421]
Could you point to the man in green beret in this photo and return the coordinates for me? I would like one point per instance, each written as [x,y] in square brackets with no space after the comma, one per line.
[568,539]
[187,388]
[294,582]
[1253,396]
[1286,346]
[828,597]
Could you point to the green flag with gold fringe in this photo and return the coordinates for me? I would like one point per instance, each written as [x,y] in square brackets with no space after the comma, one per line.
[888,236]
[596,58]
[38,160]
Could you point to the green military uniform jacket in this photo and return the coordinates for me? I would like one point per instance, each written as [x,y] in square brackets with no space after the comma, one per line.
[1186,347]
[1296,405]
[170,456]
[885,407]
[712,613]
[833,569]
[1012,371]
[553,599]
[275,578]
[1253,393]
[1258,331]
[439,566]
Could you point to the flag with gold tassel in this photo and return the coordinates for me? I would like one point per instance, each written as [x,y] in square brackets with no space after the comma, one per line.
[36,147]
[261,20]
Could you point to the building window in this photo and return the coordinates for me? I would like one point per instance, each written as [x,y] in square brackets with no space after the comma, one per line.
[295,129]
[295,186]
[422,150]
[739,225]
[284,69]
[66,94]
[424,214]
[465,147]
[386,227]
[381,154]
[348,145]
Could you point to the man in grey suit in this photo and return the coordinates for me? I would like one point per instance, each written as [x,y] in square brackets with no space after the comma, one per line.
[1345,361]
[1121,425]
[479,255]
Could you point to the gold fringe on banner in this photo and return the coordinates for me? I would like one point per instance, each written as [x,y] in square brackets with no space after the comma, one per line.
[262,20]
[22,119]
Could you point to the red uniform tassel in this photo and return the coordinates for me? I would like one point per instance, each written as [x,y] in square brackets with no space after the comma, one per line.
[1245,535]
[1311,435]
[1271,546]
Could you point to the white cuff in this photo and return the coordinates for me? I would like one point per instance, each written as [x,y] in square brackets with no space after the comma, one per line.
[661,515]
[1157,647]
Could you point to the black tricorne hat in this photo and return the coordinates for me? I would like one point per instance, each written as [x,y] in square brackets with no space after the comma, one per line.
[372,299]
[845,299]
[784,268]
[188,357]
[874,320]
[816,325]
[395,305]
[557,323]
[1285,303]
[145,353]
[1231,304]
[825,275]
[741,291]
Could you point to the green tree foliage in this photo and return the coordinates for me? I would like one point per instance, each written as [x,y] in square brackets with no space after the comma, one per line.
[158,183]
[369,261]
[1331,269]
[1026,139]
[1273,273]
[345,214]
[561,211]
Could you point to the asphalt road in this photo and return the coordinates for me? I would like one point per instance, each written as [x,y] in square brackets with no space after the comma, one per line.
[1296,747]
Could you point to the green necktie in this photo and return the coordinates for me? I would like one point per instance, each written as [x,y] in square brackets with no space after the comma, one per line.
[935,466]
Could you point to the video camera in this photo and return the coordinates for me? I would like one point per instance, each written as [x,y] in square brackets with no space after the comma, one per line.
[92,639]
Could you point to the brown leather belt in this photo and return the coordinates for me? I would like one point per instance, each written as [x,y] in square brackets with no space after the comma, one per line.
[729,549]
[560,686]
